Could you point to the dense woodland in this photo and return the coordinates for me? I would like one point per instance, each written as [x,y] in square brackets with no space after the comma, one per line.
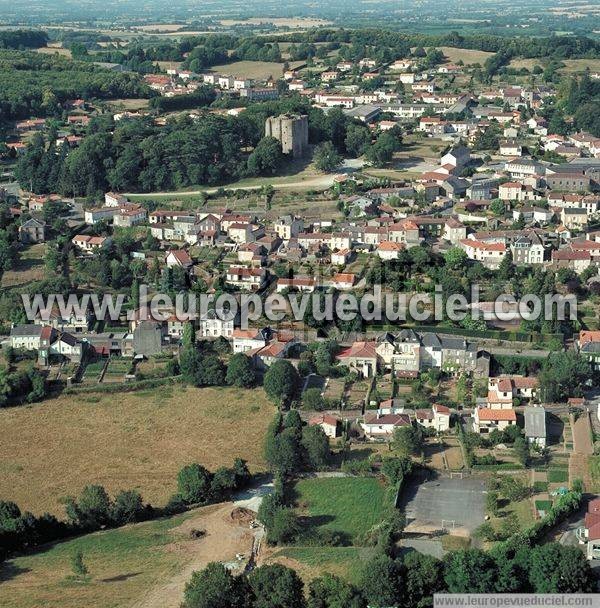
[23,39]
[139,155]
[32,84]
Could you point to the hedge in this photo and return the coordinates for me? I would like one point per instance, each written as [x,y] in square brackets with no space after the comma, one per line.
[500,466]
[125,387]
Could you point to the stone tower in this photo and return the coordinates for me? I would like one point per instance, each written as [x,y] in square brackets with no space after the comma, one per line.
[291,130]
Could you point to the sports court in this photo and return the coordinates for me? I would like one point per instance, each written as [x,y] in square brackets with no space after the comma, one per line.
[445,502]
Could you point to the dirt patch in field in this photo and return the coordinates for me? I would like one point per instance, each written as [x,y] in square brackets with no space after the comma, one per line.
[223,540]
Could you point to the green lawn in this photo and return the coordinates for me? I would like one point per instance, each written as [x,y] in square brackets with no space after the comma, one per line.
[543,505]
[349,505]
[558,476]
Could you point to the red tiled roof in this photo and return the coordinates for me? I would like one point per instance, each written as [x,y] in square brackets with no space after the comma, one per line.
[586,336]
[359,349]
[388,419]
[486,413]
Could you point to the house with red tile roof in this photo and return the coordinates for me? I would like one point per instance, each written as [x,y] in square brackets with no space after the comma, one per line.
[180,258]
[361,357]
[330,424]
[589,533]
[486,419]
[378,426]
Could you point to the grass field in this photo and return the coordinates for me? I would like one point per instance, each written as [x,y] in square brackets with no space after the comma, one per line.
[250,69]
[311,562]
[467,56]
[139,566]
[54,50]
[29,267]
[134,440]
[130,104]
[581,65]
[350,505]
[570,65]
[122,563]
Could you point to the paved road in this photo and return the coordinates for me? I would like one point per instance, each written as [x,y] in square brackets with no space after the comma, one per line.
[252,497]
[317,181]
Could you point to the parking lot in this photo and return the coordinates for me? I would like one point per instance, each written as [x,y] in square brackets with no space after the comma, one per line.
[444,502]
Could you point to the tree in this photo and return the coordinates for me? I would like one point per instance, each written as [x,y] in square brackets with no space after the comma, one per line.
[382,151]
[554,568]
[92,509]
[269,506]
[329,591]
[325,356]
[316,446]
[491,502]
[194,483]
[240,371]
[216,587]
[497,207]
[488,139]
[470,571]
[485,531]
[382,582]
[407,440]
[284,527]
[521,448]
[189,335]
[223,483]
[128,507]
[456,258]
[267,157]
[395,469]
[281,382]
[189,364]
[512,488]
[506,269]
[275,586]
[358,139]
[288,455]
[326,158]
[312,399]
[211,371]
[423,578]
[78,565]
[563,375]
[509,525]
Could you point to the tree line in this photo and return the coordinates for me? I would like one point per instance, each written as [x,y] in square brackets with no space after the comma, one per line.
[23,39]
[196,52]
[94,509]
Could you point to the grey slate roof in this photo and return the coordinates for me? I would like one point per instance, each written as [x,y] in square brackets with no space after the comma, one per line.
[26,330]
[535,421]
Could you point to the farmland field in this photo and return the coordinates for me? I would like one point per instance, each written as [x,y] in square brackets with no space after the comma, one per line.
[467,56]
[252,69]
[133,440]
